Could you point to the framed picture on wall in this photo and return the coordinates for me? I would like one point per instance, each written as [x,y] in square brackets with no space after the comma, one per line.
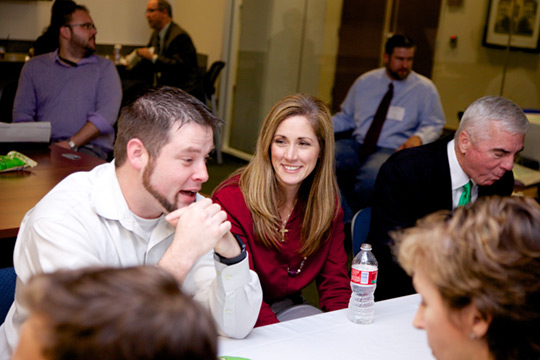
[514,23]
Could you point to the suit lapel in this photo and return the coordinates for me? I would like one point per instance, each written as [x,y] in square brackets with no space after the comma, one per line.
[444,174]
[169,36]
[153,39]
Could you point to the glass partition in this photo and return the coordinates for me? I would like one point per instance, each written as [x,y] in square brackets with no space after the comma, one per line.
[277,49]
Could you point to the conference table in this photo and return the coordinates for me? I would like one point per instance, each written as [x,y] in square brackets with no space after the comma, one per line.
[332,336]
[21,190]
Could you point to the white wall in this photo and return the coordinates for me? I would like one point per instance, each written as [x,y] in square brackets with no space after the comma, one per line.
[121,21]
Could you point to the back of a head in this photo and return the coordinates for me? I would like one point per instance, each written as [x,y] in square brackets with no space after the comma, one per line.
[398,41]
[119,314]
[151,116]
[486,254]
[502,112]
[61,11]
[164,5]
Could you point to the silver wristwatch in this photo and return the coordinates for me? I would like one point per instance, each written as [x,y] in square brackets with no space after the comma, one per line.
[72,144]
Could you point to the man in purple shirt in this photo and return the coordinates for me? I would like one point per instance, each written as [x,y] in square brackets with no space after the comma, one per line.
[77,92]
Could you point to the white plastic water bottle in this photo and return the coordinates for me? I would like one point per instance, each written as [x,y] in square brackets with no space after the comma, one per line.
[363,283]
[117,53]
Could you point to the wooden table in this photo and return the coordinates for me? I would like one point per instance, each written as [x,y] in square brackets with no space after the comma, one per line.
[21,190]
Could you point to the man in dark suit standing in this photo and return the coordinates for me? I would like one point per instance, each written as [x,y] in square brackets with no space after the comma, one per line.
[170,58]
[443,175]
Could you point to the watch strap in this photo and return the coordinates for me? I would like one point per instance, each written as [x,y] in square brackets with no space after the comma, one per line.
[236,259]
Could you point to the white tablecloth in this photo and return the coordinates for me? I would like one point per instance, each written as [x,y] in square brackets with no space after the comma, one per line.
[333,336]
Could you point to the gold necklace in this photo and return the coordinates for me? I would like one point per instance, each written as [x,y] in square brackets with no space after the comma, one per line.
[282,231]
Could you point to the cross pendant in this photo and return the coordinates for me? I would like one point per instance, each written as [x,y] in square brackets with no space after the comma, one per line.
[283,231]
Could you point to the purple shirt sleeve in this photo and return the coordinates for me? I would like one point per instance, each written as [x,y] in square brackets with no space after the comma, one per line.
[24,107]
[109,96]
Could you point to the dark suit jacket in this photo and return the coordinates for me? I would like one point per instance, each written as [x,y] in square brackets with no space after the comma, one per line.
[177,63]
[413,183]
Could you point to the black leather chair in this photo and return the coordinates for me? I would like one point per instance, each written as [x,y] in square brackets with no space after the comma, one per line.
[7,98]
[210,78]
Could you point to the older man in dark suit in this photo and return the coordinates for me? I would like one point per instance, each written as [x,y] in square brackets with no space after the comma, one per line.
[443,175]
[170,58]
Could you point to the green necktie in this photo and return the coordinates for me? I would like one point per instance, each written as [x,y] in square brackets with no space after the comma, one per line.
[466,194]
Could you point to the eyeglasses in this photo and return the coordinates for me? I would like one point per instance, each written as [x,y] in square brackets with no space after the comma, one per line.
[87,26]
[148,11]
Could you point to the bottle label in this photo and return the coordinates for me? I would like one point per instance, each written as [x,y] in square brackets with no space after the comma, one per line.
[364,277]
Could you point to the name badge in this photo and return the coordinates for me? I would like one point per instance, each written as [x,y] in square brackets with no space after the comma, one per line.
[396,113]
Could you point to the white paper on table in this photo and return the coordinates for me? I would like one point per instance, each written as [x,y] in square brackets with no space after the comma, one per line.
[133,59]
[35,131]
[525,175]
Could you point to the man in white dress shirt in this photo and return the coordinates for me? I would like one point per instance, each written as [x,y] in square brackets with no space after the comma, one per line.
[144,209]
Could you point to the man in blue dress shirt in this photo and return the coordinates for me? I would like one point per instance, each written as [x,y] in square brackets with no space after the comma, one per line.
[414,117]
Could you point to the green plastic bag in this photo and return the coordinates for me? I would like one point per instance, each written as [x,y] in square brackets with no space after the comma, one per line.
[15,161]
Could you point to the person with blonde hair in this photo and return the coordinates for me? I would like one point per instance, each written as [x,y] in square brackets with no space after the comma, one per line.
[285,205]
[478,273]
[114,314]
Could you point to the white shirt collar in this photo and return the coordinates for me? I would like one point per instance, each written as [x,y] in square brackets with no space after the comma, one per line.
[108,201]
[458,176]
[162,33]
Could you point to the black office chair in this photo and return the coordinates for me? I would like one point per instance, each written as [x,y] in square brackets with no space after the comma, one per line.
[210,78]
[360,228]
[8,279]
[7,98]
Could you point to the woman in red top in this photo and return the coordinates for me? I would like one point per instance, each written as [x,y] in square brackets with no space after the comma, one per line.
[285,205]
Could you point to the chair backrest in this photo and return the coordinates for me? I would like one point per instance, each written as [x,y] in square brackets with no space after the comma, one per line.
[360,228]
[210,78]
[7,98]
[8,279]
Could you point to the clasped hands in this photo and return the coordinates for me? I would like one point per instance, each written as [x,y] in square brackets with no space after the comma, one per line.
[200,227]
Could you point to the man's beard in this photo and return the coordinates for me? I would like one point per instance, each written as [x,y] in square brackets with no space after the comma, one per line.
[88,51]
[147,174]
[396,75]
[85,48]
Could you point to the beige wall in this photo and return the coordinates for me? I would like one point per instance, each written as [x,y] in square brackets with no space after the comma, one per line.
[330,43]
[118,21]
[470,70]
[121,21]
[204,20]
